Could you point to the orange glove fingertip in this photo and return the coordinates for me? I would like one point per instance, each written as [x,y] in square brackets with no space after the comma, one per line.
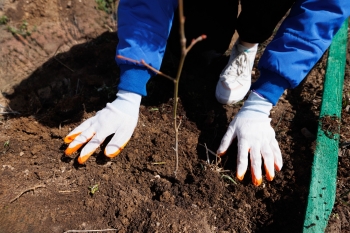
[240,177]
[70,151]
[114,154]
[83,158]
[277,168]
[256,181]
[117,152]
[269,177]
[70,138]
[221,154]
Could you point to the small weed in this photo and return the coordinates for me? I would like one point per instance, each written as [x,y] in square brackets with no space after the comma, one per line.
[105,5]
[22,30]
[4,20]
[228,178]
[7,144]
[93,189]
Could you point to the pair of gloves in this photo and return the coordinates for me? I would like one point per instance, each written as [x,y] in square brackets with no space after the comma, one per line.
[251,126]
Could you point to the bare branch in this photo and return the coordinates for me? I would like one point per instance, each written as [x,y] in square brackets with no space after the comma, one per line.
[195,41]
[128,59]
[157,71]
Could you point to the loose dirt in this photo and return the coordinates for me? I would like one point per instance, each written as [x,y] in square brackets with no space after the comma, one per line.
[64,72]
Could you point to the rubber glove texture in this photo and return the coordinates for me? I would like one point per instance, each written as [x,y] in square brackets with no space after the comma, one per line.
[119,118]
[255,137]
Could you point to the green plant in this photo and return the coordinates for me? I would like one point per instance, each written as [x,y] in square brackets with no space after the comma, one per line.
[7,144]
[229,178]
[22,30]
[105,5]
[93,189]
[3,20]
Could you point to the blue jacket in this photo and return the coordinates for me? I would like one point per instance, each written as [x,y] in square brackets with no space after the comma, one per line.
[143,30]
[299,43]
[144,26]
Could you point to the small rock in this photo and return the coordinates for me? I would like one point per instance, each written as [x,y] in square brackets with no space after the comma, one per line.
[69,4]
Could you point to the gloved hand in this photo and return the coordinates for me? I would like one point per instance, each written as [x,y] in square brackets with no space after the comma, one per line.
[255,135]
[119,117]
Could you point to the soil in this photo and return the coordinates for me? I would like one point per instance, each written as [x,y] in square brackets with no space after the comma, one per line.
[64,72]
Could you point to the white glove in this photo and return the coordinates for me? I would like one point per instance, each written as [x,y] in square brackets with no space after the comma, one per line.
[119,117]
[252,128]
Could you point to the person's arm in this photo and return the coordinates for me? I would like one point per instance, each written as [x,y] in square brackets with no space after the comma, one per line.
[300,42]
[143,29]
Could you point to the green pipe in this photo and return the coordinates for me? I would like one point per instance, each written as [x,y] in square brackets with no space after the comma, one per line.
[324,168]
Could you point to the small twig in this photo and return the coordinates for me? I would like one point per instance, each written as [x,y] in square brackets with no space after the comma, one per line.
[222,171]
[157,71]
[54,57]
[158,163]
[9,110]
[206,151]
[20,38]
[68,191]
[57,49]
[27,190]
[90,230]
[4,113]
[63,64]
[147,66]
[195,41]
[279,120]
[217,161]
[178,127]
[128,59]
[109,28]
[212,152]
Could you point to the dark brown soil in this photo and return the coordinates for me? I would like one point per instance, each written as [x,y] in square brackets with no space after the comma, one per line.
[65,71]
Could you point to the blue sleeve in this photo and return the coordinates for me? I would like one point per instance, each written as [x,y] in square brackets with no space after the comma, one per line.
[300,42]
[143,30]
